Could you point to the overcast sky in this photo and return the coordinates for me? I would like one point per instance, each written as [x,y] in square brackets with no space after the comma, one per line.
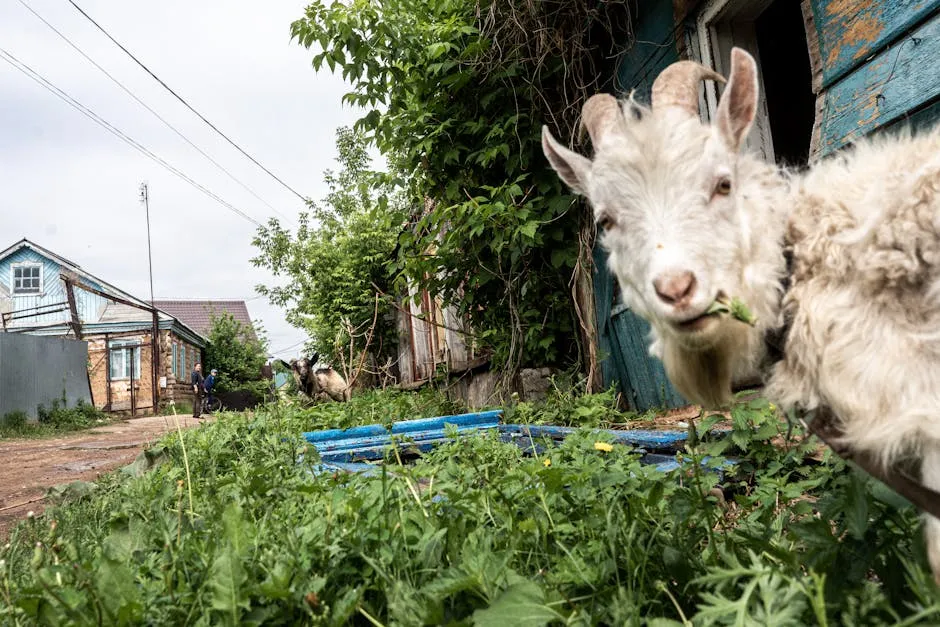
[70,186]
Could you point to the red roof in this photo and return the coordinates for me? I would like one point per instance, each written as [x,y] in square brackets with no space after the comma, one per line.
[196,314]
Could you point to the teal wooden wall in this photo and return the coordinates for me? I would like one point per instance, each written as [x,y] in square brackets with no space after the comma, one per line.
[654,49]
[89,305]
[849,32]
[622,335]
[878,67]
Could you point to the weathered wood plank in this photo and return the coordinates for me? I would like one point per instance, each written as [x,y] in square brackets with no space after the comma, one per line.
[603,286]
[850,31]
[920,120]
[896,81]
[654,47]
[645,376]
[812,43]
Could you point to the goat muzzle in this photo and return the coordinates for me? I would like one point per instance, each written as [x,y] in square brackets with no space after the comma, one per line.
[677,86]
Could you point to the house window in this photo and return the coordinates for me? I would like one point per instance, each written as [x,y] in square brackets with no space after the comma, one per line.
[27,278]
[174,367]
[124,355]
[774,33]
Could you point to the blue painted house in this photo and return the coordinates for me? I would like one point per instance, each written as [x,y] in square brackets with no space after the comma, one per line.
[831,71]
[118,327]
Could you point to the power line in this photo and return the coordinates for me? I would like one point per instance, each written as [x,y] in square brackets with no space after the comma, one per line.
[145,106]
[282,350]
[186,104]
[38,78]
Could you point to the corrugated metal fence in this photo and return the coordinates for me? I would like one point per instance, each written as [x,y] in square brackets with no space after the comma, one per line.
[36,370]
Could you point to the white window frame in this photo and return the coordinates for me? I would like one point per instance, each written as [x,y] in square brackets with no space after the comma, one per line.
[133,347]
[26,264]
[720,25]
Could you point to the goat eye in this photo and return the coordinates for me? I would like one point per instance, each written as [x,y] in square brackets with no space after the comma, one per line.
[723,187]
[605,222]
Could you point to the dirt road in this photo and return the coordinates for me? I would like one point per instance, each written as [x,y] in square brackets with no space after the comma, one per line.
[29,467]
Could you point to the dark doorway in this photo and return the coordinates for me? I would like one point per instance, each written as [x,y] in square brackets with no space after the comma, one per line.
[788,80]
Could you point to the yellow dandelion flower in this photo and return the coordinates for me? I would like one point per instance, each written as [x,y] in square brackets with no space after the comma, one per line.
[603,446]
[547,463]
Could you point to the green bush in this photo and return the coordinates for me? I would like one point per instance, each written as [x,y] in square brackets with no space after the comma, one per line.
[13,419]
[60,416]
[55,419]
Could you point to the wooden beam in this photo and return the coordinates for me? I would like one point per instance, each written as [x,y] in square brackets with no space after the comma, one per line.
[111,297]
[73,308]
[107,368]
[155,359]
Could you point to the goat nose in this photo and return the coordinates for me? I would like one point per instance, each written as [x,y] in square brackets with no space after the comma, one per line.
[676,288]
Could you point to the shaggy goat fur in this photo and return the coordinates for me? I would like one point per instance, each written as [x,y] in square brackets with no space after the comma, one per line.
[682,208]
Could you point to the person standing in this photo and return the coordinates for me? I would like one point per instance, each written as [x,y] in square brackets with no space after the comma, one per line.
[198,383]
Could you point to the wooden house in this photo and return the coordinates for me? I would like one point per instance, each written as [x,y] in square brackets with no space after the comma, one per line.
[830,72]
[42,293]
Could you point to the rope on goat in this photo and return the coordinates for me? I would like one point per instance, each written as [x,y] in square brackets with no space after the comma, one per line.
[825,427]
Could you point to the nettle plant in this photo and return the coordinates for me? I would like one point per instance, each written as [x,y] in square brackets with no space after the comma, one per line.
[457,92]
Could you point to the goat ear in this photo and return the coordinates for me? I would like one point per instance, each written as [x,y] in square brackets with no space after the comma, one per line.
[738,105]
[314,358]
[573,168]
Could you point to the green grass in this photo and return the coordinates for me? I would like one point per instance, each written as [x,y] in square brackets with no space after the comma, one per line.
[58,419]
[233,530]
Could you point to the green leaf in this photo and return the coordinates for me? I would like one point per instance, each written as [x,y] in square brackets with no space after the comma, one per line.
[226,578]
[520,605]
[345,606]
[528,229]
[227,574]
[123,598]
[856,510]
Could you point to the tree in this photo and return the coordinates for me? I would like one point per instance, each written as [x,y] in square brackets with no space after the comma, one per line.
[458,91]
[236,350]
[337,258]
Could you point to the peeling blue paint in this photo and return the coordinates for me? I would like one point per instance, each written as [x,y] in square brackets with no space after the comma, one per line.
[849,33]
[893,83]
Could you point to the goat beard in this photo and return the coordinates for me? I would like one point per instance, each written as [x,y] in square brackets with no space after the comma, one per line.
[704,374]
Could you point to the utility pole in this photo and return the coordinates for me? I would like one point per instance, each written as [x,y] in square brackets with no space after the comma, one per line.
[145,198]
[155,331]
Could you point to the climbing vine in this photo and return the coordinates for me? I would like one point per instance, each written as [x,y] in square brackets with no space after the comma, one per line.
[458,91]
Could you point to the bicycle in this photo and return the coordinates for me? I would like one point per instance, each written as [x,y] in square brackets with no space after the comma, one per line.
[211,406]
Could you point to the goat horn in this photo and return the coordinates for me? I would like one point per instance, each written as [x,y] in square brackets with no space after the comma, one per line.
[599,115]
[677,86]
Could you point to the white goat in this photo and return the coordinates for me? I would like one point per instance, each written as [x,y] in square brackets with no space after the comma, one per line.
[687,220]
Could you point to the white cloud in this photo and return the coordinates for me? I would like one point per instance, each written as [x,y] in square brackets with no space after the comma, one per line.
[72,187]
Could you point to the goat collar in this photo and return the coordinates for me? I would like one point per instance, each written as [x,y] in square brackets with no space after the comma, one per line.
[775,339]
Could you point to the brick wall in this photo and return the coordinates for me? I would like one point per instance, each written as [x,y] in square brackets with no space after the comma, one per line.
[177,387]
[120,383]
[184,356]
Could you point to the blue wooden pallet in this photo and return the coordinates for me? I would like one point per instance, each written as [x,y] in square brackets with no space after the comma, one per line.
[351,450]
